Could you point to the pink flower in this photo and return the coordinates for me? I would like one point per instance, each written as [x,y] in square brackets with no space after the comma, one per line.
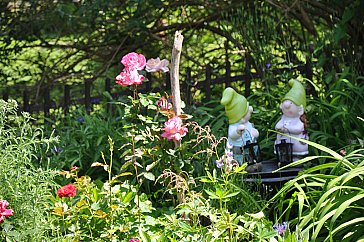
[173,129]
[129,77]
[154,65]
[133,240]
[134,61]
[68,190]
[4,213]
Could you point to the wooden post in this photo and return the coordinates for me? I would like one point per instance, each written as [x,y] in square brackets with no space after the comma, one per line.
[168,82]
[5,95]
[188,86]
[66,99]
[108,89]
[228,74]
[309,75]
[208,83]
[88,95]
[148,84]
[26,106]
[227,66]
[46,101]
[175,89]
[249,77]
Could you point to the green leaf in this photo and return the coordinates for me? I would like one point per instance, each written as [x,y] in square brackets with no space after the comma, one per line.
[145,237]
[300,204]
[150,166]
[346,205]
[95,206]
[231,194]
[346,224]
[128,197]
[150,176]
[317,146]
[184,226]
[219,192]
[211,194]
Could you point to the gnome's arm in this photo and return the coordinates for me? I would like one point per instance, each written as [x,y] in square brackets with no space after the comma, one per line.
[280,124]
[235,131]
[295,126]
[255,132]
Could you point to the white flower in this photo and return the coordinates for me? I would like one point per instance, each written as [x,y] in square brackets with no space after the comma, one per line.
[229,146]
[154,65]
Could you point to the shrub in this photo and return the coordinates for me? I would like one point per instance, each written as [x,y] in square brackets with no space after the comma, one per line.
[24,186]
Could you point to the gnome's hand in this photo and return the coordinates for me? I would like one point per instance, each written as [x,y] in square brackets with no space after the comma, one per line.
[240,129]
[281,129]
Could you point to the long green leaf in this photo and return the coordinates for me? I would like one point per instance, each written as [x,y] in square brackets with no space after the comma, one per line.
[334,154]
[343,225]
[325,196]
[321,222]
[300,204]
[358,172]
[345,205]
[299,162]
[320,167]
[145,237]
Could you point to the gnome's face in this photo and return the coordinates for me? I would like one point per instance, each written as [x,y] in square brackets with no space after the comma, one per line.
[247,116]
[290,109]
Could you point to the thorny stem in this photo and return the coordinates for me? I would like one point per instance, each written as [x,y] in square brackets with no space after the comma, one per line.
[135,95]
[110,167]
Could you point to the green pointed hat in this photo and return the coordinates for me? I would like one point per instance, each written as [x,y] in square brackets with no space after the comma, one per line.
[297,94]
[236,105]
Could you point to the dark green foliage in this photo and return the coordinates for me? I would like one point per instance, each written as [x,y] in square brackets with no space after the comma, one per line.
[47,43]
[326,201]
[83,138]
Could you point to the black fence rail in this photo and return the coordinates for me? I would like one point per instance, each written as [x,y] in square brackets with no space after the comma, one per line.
[187,86]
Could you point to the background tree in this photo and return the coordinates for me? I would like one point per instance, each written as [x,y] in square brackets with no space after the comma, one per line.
[45,43]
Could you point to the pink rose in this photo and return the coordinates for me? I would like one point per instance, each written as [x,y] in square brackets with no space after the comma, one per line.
[4,213]
[154,65]
[68,190]
[173,129]
[129,77]
[134,61]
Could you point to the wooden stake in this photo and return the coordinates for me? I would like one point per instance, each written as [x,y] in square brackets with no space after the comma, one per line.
[176,93]
[176,54]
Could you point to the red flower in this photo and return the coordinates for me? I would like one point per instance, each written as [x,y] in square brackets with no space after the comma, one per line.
[68,190]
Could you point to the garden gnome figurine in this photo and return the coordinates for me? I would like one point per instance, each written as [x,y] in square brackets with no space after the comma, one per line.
[241,132]
[293,120]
